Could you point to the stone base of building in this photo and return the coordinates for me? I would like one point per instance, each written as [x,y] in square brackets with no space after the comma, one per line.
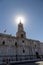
[19,58]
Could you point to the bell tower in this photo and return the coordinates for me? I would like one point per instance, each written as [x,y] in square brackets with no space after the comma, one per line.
[21,33]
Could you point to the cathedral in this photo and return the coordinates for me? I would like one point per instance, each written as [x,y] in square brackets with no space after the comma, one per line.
[19,48]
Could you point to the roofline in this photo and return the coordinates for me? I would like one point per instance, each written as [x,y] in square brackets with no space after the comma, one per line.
[7,35]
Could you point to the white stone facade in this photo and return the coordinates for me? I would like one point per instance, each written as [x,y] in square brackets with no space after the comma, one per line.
[19,47]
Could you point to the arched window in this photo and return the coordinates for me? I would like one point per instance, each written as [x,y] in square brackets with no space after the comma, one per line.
[23,51]
[16,44]
[35,45]
[3,42]
[23,41]
[21,35]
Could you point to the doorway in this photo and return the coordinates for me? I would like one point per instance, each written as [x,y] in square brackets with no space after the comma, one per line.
[37,55]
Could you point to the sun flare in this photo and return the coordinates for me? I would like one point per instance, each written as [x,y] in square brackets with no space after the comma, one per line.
[20,19]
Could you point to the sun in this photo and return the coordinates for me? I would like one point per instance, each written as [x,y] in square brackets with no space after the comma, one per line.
[20,19]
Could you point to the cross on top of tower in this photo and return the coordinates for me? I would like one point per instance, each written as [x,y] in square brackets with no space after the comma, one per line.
[20,22]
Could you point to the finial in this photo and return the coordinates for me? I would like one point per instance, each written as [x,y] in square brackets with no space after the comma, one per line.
[20,21]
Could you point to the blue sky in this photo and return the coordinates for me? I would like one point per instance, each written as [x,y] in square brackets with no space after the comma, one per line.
[31,9]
